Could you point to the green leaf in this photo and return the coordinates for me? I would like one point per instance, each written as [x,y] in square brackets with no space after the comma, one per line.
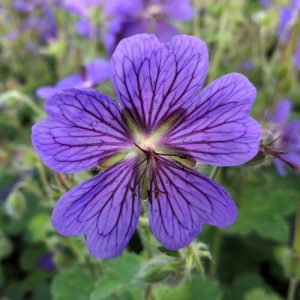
[264,203]
[73,284]
[120,275]
[260,294]
[194,288]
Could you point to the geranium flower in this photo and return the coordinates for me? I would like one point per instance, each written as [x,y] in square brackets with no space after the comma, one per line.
[96,72]
[147,144]
[282,138]
[85,26]
[287,19]
[144,16]
[43,22]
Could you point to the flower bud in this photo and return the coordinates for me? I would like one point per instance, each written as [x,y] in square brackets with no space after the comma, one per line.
[5,246]
[163,268]
[280,71]
[15,204]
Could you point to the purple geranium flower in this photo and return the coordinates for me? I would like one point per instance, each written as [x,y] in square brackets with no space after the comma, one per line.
[144,16]
[85,27]
[96,72]
[147,144]
[288,16]
[283,138]
[44,23]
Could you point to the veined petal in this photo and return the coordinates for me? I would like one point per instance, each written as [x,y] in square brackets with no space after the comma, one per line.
[154,80]
[186,199]
[217,130]
[104,208]
[83,128]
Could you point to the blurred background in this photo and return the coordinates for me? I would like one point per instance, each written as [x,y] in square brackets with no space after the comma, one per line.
[48,45]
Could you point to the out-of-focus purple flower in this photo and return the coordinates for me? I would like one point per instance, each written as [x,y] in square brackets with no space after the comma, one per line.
[265,3]
[85,10]
[285,18]
[96,72]
[139,16]
[25,6]
[159,128]
[12,35]
[43,22]
[287,15]
[246,65]
[283,138]
[297,56]
[46,262]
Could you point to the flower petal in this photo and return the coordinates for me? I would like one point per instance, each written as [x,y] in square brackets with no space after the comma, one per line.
[104,208]
[291,136]
[286,16]
[280,167]
[154,80]
[83,128]
[165,31]
[98,71]
[217,130]
[282,112]
[186,199]
[177,9]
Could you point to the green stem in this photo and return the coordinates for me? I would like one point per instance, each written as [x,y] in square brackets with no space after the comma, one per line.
[217,242]
[44,180]
[292,289]
[214,173]
[219,47]
[24,99]
[196,19]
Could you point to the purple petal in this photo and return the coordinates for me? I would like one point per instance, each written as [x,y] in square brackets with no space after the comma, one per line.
[154,80]
[286,15]
[85,28]
[282,111]
[24,6]
[104,208]
[45,92]
[217,130]
[74,80]
[70,82]
[80,7]
[98,71]
[117,8]
[291,136]
[83,128]
[295,4]
[186,199]
[265,3]
[290,159]
[165,31]
[177,9]
[297,56]
[280,167]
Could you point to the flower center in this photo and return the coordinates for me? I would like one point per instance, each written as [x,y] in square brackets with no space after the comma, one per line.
[154,9]
[147,143]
